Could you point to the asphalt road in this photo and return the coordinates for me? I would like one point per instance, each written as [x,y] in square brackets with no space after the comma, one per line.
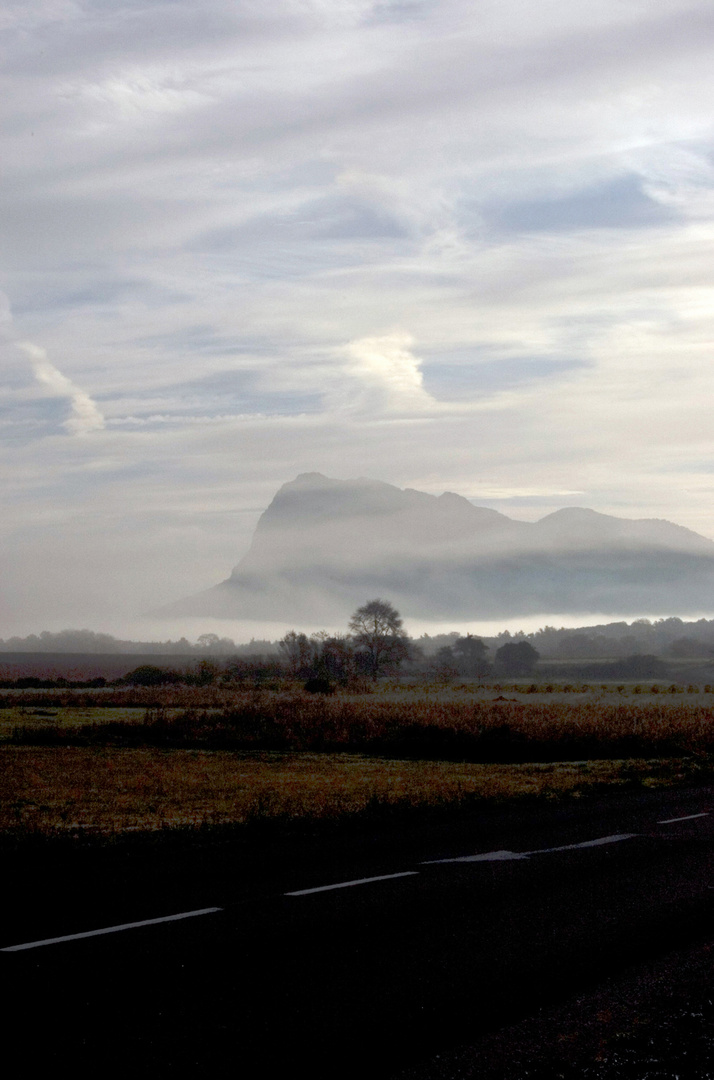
[296,963]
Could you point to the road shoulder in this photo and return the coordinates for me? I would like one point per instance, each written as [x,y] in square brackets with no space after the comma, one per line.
[655,1020]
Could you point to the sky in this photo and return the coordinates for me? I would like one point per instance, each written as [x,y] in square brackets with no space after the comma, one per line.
[451,246]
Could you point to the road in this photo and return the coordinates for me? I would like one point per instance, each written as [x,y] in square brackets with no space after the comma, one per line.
[343,956]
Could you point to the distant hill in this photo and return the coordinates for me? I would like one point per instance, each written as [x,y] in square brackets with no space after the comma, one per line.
[324,545]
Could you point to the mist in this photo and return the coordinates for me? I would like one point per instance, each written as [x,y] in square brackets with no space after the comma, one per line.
[324,545]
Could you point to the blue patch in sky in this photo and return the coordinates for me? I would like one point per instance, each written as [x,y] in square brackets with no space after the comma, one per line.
[227,392]
[350,219]
[88,292]
[16,375]
[616,204]
[449,381]
[331,218]
[202,338]
[35,416]
[396,11]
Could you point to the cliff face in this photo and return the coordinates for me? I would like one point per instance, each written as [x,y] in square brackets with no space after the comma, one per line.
[323,546]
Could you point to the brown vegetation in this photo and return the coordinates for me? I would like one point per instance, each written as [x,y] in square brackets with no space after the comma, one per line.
[423,723]
[181,757]
[107,791]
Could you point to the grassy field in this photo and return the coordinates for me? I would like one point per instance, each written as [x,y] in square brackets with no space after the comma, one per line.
[41,718]
[108,791]
[467,724]
[96,763]
[218,695]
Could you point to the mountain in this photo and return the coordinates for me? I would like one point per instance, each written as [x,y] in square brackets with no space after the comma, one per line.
[324,546]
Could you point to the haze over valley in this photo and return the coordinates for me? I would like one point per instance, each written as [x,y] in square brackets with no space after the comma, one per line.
[324,545]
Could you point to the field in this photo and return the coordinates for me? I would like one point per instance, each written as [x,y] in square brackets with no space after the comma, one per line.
[108,791]
[100,764]
[499,723]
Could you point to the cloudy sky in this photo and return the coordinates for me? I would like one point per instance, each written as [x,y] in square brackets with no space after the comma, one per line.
[450,245]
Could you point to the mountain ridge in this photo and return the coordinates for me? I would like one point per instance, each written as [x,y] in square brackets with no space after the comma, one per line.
[324,545]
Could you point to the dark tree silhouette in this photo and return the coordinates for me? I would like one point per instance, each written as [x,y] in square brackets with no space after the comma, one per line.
[517,658]
[148,675]
[470,654]
[337,657]
[381,643]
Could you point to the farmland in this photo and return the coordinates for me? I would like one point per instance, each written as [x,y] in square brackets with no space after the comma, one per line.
[105,791]
[517,722]
[106,763]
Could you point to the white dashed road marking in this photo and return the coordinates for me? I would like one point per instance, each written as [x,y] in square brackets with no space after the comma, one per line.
[110,929]
[498,856]
[689,817]
[487,856]
[346,884]
[586,843]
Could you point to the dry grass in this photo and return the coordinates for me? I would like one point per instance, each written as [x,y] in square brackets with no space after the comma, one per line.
[461,726]
[108,791]
[218,697]
[216,758]
[128,697]
[427,723]
[41,717]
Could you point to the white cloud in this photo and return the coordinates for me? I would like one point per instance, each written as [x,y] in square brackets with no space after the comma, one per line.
[86,416]
[382,377]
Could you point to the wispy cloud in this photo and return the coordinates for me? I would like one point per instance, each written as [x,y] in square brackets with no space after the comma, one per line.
[450,245]
[382,376]
[86,416]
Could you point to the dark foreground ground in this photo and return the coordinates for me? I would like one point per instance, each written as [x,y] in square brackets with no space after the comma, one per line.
[574,959]
[654,1021]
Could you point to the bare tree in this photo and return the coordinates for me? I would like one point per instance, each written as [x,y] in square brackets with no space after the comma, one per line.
[299,653]
[376,628]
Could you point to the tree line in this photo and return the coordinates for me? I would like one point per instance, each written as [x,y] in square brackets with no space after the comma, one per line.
[374,646]
[377,645]
[670,637]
